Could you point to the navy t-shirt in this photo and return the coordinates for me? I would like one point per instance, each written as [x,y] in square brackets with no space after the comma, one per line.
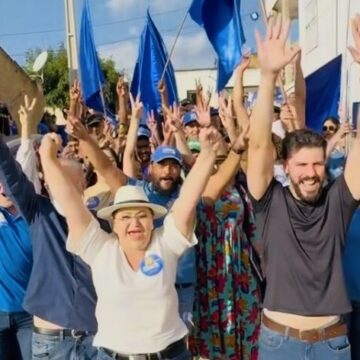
[15,261]
[60,288]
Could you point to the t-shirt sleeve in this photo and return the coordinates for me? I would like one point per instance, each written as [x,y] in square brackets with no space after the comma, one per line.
[91,244]
[262,205]
[173,239]
[344,202]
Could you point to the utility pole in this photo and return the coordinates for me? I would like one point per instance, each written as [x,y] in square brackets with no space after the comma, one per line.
[71,44]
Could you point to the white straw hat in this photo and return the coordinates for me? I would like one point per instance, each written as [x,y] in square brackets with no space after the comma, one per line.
[131,196]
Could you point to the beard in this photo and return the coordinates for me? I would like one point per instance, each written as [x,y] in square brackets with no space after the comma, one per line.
[311,198]
[168,190]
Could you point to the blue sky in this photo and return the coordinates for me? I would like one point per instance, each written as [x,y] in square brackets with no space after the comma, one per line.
[27,24]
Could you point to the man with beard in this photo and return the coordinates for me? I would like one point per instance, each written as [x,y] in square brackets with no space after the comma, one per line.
[303,225]
[162,188]
[143,149]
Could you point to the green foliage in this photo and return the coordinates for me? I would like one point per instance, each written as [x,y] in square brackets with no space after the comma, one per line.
[56,78]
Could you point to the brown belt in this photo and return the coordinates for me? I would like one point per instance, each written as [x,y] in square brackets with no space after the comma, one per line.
[313,335]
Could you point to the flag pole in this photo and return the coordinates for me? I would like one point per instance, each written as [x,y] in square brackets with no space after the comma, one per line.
[173,45]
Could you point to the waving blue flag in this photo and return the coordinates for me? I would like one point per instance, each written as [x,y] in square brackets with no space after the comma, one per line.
[91,75]
[149,68]
[230,26]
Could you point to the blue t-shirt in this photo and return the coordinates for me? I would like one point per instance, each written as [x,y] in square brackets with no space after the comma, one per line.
[15,261]
[351,258]
[186,264]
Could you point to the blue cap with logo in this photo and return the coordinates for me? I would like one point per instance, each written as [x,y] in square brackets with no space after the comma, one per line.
[144,131]
[189,117]
[166,152]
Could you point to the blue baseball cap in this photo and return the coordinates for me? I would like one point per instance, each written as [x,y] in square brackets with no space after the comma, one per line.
[166,152]
[144,131]
[189,117]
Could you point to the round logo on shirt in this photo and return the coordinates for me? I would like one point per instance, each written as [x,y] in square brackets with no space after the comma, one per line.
[92,203]
[151,265]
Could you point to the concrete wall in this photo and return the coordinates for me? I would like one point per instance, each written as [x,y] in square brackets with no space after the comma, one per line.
[14,84]
[185,80]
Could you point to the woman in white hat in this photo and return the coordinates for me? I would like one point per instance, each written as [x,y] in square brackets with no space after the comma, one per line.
[134,269]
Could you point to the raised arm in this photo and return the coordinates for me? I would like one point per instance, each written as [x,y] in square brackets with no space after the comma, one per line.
[62,189]
[227,170]
[300,94]
[113,176]
[273,56]
[241,114]
[26,155]
[75,94]
[130,147]
[352,167]
[122,90]
[184,207]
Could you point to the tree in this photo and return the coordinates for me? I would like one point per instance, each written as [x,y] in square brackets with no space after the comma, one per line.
[56,80]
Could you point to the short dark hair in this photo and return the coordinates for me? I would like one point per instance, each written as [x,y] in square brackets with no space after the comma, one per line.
[334,119]
[299,139]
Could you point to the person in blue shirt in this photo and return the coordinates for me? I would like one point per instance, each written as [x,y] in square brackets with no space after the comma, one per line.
[15,268]
[60,294]
[352,278]
[162,188]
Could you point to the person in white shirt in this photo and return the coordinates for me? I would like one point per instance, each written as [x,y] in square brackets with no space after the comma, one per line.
[134,269]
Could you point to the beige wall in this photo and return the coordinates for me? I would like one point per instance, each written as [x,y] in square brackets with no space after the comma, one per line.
[14,84]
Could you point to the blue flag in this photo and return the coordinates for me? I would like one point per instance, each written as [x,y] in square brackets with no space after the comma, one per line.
[91,75]
[230,26]
[149,68]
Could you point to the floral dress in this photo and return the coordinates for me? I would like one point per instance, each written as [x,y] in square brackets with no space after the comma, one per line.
[227,295]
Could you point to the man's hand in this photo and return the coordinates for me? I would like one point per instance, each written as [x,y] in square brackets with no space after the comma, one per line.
[76,128]
[122,87]
[209,139]
[288,117]
[137,107]
[25,110]
[75,91]
[162,87]
[272,51]
[226,111]
[203,114]
[355,27]
[50,145]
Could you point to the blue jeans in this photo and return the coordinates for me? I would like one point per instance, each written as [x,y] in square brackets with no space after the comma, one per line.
[275,346]
[50,347]
[15,336]
[186,304]
[354,330]
[184,355]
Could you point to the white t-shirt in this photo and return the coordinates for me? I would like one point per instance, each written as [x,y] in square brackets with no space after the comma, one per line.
[137,312]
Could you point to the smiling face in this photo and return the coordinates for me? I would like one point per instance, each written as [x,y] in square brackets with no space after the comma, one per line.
[306,171]
[134,226]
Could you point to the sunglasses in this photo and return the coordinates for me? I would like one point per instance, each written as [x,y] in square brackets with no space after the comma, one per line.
[329,128]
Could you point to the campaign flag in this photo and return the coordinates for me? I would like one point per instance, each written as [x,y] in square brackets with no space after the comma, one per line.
[149,67]
[92,77]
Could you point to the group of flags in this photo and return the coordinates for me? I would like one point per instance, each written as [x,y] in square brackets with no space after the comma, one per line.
[223,22]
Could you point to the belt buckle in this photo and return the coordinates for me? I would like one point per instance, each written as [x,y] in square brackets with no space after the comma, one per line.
[139,357]
[312,335]
[76,335]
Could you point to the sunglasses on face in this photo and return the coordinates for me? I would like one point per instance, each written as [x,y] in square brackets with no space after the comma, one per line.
[329,128]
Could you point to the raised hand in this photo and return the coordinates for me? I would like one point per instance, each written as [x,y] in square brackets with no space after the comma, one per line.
[242,141]
[288,117]
[355,27]
[75,91]
[209,139]
[122,87]
[50,145]
[76,128]
[273,53]
[26,109]
[162,87]
[137,107]
[244,64]
[226,111]
[203,114]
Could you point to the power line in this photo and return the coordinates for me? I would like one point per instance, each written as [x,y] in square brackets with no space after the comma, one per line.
[192,28]
[95,26]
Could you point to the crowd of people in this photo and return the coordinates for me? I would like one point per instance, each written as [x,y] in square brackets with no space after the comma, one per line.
[195,232]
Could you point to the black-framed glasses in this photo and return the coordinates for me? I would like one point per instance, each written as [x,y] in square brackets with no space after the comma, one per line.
[329,128]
